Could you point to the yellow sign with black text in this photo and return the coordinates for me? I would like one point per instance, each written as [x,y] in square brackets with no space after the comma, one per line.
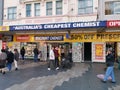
[94,37]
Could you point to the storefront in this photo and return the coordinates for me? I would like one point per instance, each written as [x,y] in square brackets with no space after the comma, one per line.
[84,38]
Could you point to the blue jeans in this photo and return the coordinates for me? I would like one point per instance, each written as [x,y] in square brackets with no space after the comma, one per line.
[9,65]
[35,58]
[109,72]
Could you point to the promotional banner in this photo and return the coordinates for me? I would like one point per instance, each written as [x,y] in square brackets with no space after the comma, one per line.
[99,51]
[94,37]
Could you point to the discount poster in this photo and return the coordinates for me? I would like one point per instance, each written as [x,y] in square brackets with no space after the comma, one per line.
[99,51]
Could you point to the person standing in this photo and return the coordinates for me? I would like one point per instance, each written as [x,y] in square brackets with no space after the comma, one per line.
[110,67]
[56,57]
[3,57]
[16,58]
[22,52]
[10,59]
[51,58]
[36,52]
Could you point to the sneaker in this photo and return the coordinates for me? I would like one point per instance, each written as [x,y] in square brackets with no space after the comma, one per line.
[3,72]
[16,69]
[49,69]
[113,81]
[103,81]
[57,68]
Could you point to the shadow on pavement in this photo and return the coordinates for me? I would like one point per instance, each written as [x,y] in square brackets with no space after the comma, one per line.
[22,75]
[89,80]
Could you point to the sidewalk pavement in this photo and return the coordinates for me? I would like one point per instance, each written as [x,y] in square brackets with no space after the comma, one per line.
[35,76]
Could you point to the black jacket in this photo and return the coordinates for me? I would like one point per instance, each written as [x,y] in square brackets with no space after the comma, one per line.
[110,60]
[10,57]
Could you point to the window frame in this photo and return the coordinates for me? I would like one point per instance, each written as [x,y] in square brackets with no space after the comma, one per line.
[86,7]
[36,10]
[59,8]
[28,11]
[49,9]
[12,11]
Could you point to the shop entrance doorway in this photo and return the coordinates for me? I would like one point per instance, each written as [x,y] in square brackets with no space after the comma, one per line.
[87,51]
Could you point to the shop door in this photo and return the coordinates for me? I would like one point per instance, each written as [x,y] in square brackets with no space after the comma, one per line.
[87,51]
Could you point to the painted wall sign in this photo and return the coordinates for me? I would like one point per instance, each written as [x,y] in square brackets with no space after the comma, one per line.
[113,23]
[48,38]
[60,26]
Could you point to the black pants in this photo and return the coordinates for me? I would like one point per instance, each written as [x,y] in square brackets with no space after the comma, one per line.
[51,63]
[56,62]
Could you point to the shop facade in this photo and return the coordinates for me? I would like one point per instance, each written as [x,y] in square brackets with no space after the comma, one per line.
[87,40]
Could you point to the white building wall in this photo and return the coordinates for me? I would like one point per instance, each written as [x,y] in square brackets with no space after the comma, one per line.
[70,12]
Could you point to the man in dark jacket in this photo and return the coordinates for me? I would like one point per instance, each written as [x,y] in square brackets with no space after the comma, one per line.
[110,66]
[10,59]
[36,52]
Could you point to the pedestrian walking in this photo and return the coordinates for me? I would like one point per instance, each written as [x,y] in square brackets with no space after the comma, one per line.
[110,67]
[56,57]
[10,59]
[36,53]
[16,58]
[3,57]
[51,58]
[22,52]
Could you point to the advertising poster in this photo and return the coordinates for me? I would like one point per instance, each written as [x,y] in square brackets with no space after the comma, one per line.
[99,51]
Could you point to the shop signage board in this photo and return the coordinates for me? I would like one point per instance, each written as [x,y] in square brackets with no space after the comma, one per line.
[113,23]
[22,38]
[68,25]
[49,38]
[4,28]
[94,37]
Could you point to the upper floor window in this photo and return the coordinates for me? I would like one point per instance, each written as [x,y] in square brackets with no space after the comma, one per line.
[28,10]
[58,7]
[112,7]
[37,9]
[12,11]
[49,8]
[85,6]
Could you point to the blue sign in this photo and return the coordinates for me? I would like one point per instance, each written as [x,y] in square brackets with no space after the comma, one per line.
[93,24]
[48,38]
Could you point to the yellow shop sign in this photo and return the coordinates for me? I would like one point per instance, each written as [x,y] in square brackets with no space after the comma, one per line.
[95,37]
[4,28]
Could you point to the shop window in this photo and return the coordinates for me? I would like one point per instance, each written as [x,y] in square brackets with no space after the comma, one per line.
[112,7]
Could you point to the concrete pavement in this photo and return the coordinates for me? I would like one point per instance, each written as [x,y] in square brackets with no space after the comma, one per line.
[35,76]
